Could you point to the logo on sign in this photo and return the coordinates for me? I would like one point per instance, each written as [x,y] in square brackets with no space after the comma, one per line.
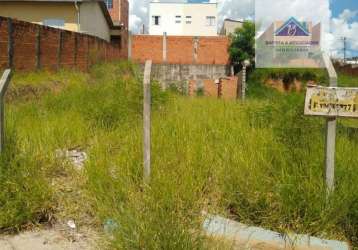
[292,27]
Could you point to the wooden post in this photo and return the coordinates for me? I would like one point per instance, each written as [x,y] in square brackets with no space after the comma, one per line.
[330,132]
[146,121]
[4,83]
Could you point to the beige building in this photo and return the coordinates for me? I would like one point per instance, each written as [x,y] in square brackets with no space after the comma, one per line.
[229,26]
[84,16]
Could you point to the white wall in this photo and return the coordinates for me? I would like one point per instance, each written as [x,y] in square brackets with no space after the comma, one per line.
[169,11]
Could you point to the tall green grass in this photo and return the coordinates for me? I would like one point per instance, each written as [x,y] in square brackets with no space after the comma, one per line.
[259,162]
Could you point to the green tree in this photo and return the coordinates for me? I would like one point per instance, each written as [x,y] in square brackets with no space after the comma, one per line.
[243,44]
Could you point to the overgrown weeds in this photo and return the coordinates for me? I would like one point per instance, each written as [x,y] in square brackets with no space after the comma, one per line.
[259,162]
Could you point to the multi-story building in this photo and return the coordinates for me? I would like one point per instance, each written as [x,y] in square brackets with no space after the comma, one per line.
[230,25]
[183,17]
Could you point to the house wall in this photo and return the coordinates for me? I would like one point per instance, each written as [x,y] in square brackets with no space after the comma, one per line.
[169,11]
[37,12]
[119,13]
[229,27]
[26,46]
[92,20]
[180,49]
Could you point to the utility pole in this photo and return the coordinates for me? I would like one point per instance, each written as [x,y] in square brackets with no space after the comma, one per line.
[344,48]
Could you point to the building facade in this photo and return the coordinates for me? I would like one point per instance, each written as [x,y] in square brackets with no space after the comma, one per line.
[85,16]
[183,17]
[229,26]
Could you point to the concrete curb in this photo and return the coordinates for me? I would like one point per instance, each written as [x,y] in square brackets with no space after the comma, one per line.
[258,238]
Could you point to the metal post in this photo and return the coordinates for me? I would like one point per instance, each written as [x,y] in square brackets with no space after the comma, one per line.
[330,132]
[4,83]
[146,121]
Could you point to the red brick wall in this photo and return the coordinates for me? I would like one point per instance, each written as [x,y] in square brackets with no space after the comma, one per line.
[213,50]
[124,12]
[49,48]
[3,44]
[114,12]
[147,47]
[181,49]
[120,11]
[229,87]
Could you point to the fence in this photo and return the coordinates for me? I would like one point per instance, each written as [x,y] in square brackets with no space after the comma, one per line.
[27,46]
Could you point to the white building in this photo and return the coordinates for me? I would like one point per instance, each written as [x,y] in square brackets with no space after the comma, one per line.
[183,17]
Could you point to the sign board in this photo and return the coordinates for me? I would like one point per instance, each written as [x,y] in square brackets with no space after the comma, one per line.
[331,101]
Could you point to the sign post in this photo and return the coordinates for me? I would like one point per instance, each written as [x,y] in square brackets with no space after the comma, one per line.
[146,121]
[4,83]
[331,102]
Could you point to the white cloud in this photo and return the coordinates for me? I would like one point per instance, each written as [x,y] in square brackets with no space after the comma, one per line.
[340,28]
[348,14]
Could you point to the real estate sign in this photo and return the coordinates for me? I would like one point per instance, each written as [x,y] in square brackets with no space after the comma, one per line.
[331,102]
[288,33]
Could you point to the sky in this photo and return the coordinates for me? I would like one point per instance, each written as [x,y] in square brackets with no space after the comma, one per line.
[340,18]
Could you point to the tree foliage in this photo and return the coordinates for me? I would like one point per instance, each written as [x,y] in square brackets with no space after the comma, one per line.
[243,43]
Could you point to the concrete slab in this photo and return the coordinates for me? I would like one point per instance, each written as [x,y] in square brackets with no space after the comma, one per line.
[246,237]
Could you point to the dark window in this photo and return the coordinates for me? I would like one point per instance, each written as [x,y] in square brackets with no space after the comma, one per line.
[156,20]
[177,19]
[109,4]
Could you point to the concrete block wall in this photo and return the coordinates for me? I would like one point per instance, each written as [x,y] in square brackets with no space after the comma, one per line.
[180,49]
[182,72]
[25,46]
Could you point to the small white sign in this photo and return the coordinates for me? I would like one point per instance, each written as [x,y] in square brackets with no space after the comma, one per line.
[331,101]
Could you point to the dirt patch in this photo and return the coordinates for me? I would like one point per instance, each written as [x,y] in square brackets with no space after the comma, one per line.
[56,238]
[25,93]
[285,87]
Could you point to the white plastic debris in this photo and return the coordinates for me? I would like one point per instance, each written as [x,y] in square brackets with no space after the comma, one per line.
[71,224]
[76,157]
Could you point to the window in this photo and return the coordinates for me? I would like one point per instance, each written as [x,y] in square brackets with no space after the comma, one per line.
[56,23]
[210,21]
[109,4]
[188,20]
[177,19]
[156,20]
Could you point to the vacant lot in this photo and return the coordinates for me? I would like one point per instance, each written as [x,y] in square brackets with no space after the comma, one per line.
[259,162]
